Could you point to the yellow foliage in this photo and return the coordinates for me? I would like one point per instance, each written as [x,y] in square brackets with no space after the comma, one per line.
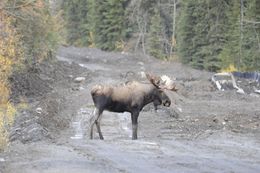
[173,42]
[22,105]
[92,40]
[7,113]
[10,55]
[230,68]
[4,93]
[3,138]
[120,45]
[35,25]
[26,27]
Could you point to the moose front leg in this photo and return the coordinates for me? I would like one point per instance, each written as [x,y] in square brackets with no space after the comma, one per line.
[134,118]
[98,127]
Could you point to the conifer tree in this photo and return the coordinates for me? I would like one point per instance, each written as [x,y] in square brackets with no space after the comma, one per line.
[91,22]
[109,26]
[83,23]
[216,34]
[202,33]
[155,45]
[242,46]
[229,56]
[250,55]
[191,34]
[72,18]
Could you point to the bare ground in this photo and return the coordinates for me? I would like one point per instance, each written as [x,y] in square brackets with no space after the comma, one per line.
[205,130]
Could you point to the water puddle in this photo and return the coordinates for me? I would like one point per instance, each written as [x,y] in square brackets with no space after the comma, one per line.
[125,123]
[113,125]
[81,123]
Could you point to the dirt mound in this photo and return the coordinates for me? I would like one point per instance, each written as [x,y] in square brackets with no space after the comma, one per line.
[42,88]
[35,82]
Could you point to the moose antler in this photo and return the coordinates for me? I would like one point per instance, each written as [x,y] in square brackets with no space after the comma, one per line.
[163,82]
[168,83]
[155,80]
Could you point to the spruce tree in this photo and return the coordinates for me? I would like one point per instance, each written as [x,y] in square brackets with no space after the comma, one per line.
[155,45]
[229,56]
[250,40]
[91,22]
[72,18]
[216,34]
[242,46]
[109,26]
[185,32]
[192,32]
[201,33]
[83,23]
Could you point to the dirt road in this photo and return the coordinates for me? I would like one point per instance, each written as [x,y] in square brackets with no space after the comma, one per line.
[203,131]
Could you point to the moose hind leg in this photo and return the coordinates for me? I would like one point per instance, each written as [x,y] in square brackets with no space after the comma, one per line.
[92,122]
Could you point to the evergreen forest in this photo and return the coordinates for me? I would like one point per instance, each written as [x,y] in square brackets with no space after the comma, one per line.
[206,34]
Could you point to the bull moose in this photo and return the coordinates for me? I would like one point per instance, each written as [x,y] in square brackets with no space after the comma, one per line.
[130,97]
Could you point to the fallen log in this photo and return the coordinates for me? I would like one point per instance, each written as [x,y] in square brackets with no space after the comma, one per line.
[219,82]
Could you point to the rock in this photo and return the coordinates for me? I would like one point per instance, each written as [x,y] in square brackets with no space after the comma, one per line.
[142,68]
[39,110]
[81,88]
[181,120]
[79,79]
[140,63]
[179,109]
[124,53]
[240,91]
[257,91]
[174,113]
[254,95]
[215,120]
[235,130]
[142,74]
[75,88]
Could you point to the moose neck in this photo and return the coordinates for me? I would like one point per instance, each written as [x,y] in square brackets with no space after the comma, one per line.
[151,95]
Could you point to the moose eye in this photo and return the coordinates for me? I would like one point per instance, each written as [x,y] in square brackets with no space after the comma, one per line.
[162,93]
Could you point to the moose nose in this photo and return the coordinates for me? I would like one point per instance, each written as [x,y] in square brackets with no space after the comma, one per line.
[167,103]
